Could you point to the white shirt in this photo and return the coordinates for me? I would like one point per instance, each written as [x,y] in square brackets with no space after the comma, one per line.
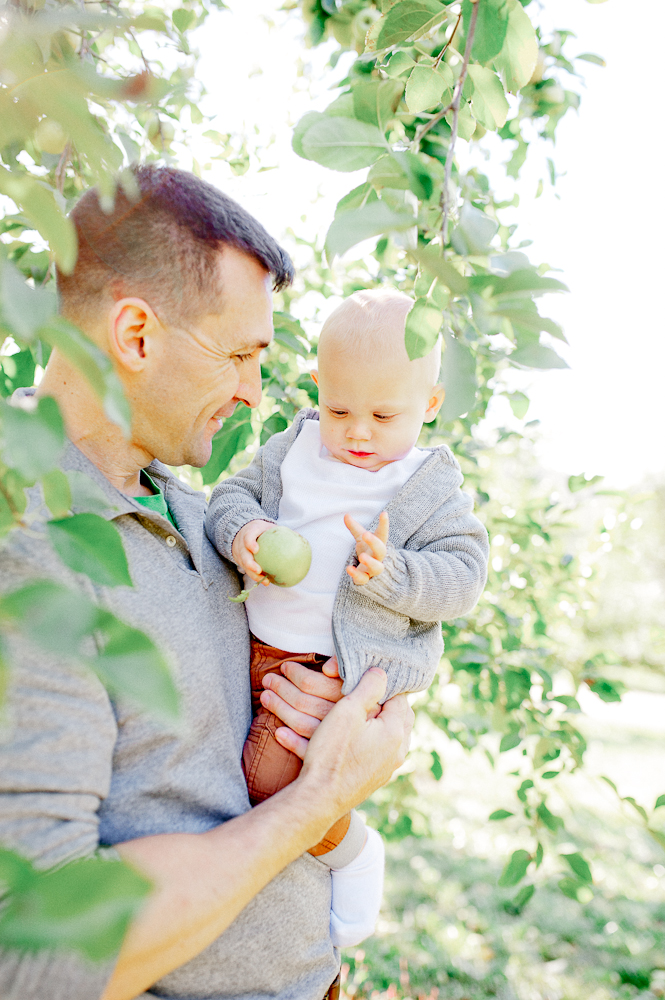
[318,490]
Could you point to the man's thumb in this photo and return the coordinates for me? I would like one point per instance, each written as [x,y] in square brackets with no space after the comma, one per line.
[371,688]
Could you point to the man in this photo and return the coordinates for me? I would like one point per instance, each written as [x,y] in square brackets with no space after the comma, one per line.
[175,286]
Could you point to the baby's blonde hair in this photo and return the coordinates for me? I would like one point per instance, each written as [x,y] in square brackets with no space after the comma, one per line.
[369,325]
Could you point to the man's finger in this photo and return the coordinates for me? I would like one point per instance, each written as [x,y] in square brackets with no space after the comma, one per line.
[291,741]
[370,688]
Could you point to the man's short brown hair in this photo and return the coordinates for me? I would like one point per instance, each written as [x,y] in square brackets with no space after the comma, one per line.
[162,245]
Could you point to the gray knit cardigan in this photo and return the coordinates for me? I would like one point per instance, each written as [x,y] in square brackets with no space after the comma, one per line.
[435,568]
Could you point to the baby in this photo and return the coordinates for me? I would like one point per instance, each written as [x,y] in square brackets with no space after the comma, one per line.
[418,556]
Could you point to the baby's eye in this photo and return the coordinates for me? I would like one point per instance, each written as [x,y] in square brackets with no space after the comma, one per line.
[337,413]
[384,416]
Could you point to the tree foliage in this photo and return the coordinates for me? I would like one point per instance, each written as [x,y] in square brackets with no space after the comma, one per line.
[86,92]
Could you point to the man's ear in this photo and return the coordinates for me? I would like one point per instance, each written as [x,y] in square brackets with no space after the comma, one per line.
[315,377]
[131,324]
[435,403]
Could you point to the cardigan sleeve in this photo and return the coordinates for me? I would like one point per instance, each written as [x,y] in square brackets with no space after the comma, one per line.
[443,578]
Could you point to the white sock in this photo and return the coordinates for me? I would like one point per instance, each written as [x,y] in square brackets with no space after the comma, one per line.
[356,894]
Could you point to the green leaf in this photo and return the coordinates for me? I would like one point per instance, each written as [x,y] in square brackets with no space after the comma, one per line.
[657,836]
[39,205]
[548,818]
[401,170]
[458,377]
[356,197]
[405,18]
[84,906]
[500,814]
[572,704]
[50,615]
[342,143]
[536,356]
[423,326]
[57,494]
[519,53]
[183,19]
[590,57]
[509,741]
[579,866]
[234,436]
[24,309]
[87,496]
[301,128]
[539,855]
[491,27]
[33,440]
[373,219]
[375,101]
[130,664]
[605,690]
[515,869]
[273,425]
[577,483]
[466,123]
[93,364]
[89,544]
[431,259]
[660,801]
[515,905]
[519,404]
[426,86]
[570,887]
[637,807]
[62,95]
[474,231]
[400,63]
[488,101]
[436,768]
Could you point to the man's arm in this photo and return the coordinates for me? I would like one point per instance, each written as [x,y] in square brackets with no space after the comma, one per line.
[203,881]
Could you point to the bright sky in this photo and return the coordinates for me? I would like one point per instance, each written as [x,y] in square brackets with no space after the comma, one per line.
[604,416]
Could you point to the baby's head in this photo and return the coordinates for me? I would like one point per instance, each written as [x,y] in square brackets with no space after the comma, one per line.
[373,399]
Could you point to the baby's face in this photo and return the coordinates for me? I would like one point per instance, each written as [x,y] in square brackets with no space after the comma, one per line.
[371,415]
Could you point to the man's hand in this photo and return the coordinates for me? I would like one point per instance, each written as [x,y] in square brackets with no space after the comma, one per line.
[301,698]
[245,546]
[355,750]
[370,549]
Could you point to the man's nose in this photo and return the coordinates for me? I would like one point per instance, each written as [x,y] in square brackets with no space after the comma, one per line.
[249,389]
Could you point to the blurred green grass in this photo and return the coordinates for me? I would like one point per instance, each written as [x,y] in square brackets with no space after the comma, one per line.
[448,931]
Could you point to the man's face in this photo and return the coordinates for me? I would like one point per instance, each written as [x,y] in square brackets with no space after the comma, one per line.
[197,375]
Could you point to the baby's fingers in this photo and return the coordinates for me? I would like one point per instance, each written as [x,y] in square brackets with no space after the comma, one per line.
[358,575]
[371,566]
[375,544]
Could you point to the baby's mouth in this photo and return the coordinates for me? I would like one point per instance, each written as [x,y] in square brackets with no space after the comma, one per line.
[360,454]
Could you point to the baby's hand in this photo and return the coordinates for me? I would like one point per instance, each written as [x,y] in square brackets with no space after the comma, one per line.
[244,547]
[370,549]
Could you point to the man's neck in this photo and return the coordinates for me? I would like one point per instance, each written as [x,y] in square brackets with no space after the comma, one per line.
[90,429]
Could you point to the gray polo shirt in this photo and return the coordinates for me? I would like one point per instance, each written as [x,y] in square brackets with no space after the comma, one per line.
[79,769]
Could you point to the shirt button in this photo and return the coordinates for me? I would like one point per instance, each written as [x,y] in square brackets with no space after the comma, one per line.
[170,541]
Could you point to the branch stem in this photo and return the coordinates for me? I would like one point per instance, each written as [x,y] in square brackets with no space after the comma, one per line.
[455,106]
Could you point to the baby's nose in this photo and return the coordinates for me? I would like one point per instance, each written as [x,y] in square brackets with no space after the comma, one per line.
[359,433]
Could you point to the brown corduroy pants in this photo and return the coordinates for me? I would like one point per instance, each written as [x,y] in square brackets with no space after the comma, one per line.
[268,766]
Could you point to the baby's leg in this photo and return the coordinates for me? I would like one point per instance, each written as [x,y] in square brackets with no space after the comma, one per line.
[268,766]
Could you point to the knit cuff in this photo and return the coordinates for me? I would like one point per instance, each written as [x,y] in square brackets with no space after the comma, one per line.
[225,535]
[385,587]
[349,848]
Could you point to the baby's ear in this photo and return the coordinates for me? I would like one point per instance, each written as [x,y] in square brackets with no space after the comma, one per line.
[435,403]
[315,377]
